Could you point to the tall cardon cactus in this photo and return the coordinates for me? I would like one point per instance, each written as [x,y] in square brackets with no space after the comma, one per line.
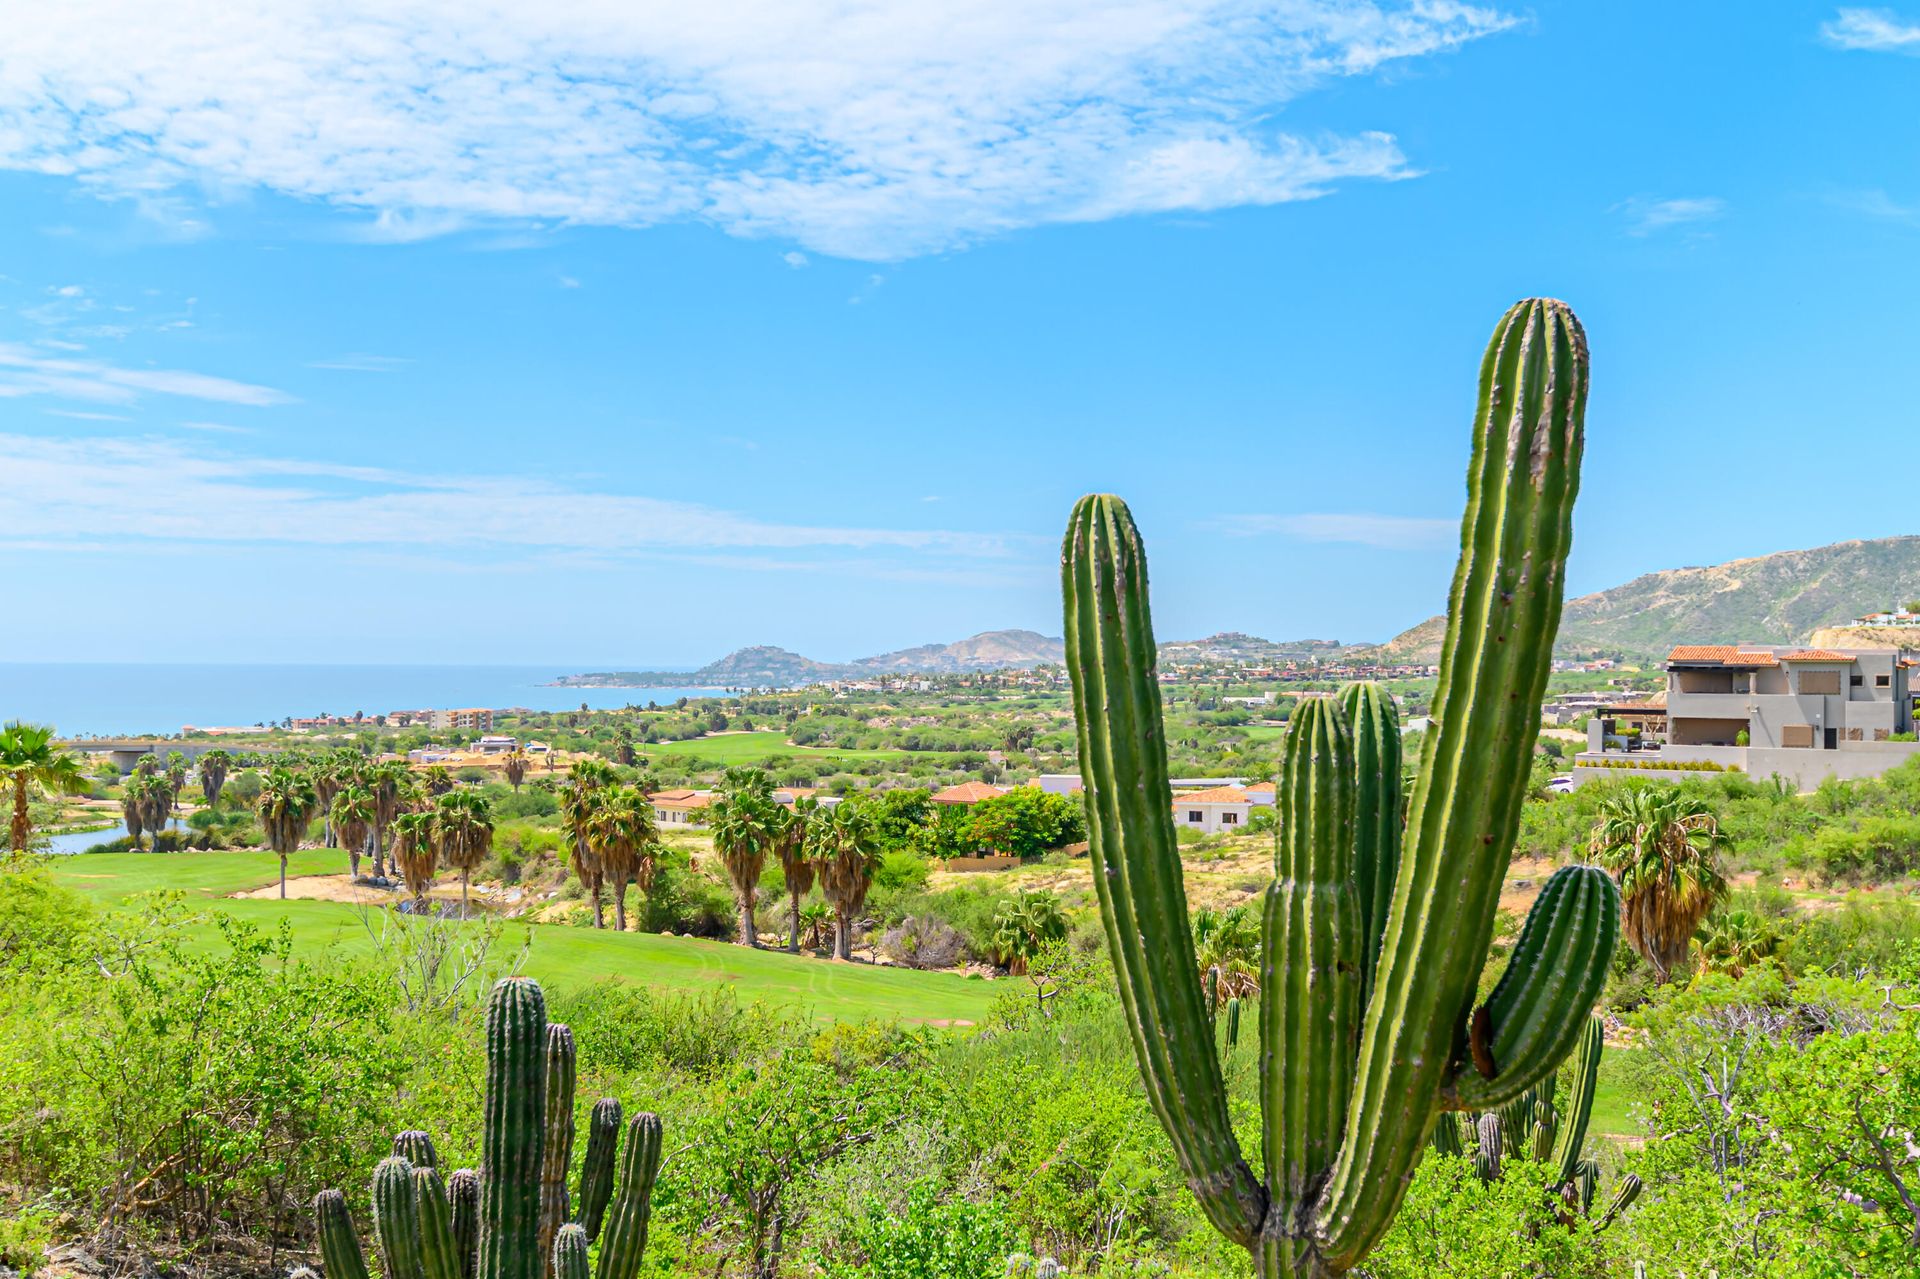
[506,1221]
[1374,940]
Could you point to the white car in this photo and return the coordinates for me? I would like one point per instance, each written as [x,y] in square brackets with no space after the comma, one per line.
[1560,785]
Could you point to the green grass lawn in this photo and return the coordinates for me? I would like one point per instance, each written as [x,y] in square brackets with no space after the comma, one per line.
[560,956]
[1614,1106]
[741,748]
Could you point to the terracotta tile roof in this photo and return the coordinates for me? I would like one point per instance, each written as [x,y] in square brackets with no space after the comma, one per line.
[967,793]
[680,799]
[1213,795]
[1719,655]
[1815,655]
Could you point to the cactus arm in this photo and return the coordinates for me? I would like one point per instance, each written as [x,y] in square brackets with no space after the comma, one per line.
[1446,1134]
[396,1220]
[439,1255]
[1586,1080]
[559,1139]
[340,1255]
[1376,811]
[596,1168]
[512,1143]
[626,1240]
[1136,860]
[1544,1000]
[1310,962]
[1503,612]
[463,1202]
[1487,1151]
[1623,1196]
[570,1253]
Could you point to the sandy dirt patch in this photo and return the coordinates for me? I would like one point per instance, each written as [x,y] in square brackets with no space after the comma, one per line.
[341,888]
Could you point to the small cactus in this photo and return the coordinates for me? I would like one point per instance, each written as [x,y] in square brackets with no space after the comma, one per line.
[596,1168]
[416,1148]
[1486,1155]
[488,1223]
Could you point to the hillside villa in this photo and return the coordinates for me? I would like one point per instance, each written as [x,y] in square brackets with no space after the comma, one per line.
[1804,714]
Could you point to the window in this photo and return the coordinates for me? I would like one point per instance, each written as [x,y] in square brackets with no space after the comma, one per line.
[1800,735]
[1883,681]
[1229,819]
[1826,683]
[1855,681]
[1194,815]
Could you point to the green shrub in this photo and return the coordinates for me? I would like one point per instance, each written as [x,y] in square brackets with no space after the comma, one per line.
[928,1239]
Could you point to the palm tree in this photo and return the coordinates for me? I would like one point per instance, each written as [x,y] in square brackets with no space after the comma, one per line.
[1024,926]
[847,854]
[1735,940]
[176,777]
[463,834]
[329,773]
[156,797]
[1227,944]
[742,824]
[133,806]
[352,817]
[621,830]
[817,917]
[576,808]
[437,781]
[790,846]
[214,766]
[287,803]
[414,854]
[515,768]
[1662,846]
[29,760]
[392,788]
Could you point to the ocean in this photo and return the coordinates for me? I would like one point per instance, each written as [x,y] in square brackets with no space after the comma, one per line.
[87,699]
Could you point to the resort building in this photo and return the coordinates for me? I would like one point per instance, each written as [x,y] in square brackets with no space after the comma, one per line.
[1898,617]
[1219,808]
[475,717]
[1804,714]
[680,807]
[495,745]
[967,793]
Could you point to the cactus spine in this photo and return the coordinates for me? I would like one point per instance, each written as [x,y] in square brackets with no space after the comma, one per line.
[626,1240]
[513,1142]
[596,1168]
[340,1253]
[559,1138]
[1350,1097]
[463,1202]
[570,1252]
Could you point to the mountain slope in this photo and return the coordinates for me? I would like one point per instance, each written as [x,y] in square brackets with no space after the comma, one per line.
[1767,599]
[765,666]
[987,651]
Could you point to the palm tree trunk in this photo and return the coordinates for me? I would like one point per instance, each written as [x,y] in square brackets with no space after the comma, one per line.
[599,911]
[465,876]
[793,934]
[843,934]
[620,905]
[283,877]
[748,935]
[21,828]
[353,863]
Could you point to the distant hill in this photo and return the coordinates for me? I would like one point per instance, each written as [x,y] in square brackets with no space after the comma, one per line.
[765,666]
[1781,598]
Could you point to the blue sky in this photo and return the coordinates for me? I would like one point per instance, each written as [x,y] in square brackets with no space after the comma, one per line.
[561,333]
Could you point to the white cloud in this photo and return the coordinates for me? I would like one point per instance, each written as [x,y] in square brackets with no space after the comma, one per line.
[1385,532]
[1875,203]
[794,259]
[360,362]
[217,428]
[151,489]
[877,130]
[1879,30]
[25,372]
[81,416]
[569,282]
[1646,215]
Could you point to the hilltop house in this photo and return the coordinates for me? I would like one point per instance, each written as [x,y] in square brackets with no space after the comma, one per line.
[967,794]
[680,807]
[1218,808]
[1802,713]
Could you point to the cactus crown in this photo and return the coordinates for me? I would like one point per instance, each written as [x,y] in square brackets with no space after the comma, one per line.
[1373,940]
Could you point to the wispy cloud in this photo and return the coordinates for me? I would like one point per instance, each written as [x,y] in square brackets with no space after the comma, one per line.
[24,372]
[1879,30]
[149,489]
[1384,532]
[359,362]
[794,258]
[1646,215]
[217,428]
[83,416]
[873,131]
[1875,203]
